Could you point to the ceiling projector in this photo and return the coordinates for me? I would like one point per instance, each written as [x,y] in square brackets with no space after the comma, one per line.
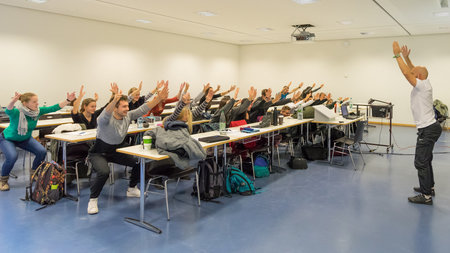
[302,35]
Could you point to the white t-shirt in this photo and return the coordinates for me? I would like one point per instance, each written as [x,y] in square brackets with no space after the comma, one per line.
[422,103]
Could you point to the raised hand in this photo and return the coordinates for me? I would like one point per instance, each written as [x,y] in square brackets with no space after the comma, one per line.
[182,86]
[316,97]
[140,86]
[164,93]
[312,86]
[114,88]
[16,96]
[95,96]
[300,85]
[82,93]
[308,96]
[236,93]
[405,51]
[186,87]
[71,96]
[329,96]
[232,87]
[277,97]
[186,98]
[396,48]
[321,86]
[209,96]
[289,84]
[159,85]
[251,93]
[205,87]
[296,96]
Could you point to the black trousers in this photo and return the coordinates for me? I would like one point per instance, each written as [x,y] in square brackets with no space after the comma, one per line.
[100,166]
[426,138]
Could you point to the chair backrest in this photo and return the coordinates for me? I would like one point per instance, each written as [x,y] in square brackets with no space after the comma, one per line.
[238,123]
[359,131]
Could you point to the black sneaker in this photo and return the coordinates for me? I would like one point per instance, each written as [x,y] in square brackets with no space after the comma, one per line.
[420,199]
[417,189]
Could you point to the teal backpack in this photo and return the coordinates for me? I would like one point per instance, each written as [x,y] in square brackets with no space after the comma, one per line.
[261,166]
[238,182]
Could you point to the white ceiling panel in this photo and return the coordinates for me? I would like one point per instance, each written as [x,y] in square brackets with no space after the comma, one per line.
[245,21]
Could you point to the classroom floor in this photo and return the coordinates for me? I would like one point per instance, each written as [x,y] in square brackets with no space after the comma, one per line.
[322,209]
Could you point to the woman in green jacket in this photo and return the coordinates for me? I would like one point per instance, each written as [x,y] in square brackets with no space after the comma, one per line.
[22,122]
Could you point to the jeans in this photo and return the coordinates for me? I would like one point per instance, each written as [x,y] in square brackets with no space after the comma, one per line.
[9,149]
[99,163]
[426,138]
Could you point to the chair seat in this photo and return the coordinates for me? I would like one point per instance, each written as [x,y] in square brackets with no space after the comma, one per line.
[346,140]
[171,172]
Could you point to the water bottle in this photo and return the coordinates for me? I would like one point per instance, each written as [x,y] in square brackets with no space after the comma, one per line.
[350,104]
[222,123]
[140,122]
[275,117]
[152,120]
[300,112]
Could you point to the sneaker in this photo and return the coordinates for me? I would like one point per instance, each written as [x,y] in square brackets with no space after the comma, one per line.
[133,192]
[92,206]
[417,189]
[421,199]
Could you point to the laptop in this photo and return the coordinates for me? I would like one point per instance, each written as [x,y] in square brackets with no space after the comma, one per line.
[345,113]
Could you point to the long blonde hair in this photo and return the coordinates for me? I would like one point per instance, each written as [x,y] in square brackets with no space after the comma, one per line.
[185,111]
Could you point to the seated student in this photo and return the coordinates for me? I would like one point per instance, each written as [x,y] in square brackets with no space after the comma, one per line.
[174,139]
[23,120]
[290,108]
[113,125]
[135,99]
[310,89]
[241,112]
[225,106]
[159,108]
[215,95]
[262,104]
[88,113]
[285,91]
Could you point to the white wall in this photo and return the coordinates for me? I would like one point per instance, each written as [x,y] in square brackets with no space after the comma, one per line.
[360,69]
[52,54]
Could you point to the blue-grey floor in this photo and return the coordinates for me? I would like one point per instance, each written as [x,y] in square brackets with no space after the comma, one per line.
[321,209]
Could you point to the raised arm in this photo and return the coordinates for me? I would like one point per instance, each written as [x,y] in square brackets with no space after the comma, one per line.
[13,101]
[77,102]
[228,91]
[116,96]
[406,70]
[405,53]
[70,98]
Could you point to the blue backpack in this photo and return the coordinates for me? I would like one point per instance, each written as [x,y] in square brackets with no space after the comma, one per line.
[238,182]
[261,166]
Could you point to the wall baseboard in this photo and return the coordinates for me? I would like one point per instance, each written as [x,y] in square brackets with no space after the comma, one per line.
[447,128]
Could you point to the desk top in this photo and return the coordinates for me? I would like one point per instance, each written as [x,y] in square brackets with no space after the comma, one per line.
[234,133]
[91,134]
[46,122]
[339,121]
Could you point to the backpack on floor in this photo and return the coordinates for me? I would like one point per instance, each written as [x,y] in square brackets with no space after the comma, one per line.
[238,182]
[261,166]
[210,181]
[47,184]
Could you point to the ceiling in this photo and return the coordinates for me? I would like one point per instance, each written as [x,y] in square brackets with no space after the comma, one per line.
[260,21]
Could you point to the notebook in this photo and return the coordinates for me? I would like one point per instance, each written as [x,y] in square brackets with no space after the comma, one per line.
[215,138]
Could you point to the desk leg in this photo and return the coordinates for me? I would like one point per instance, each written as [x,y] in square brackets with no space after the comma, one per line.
[66,195]
[141,222]
[329,143]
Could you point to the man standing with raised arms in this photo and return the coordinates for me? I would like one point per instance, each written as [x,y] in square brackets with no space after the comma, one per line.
[428,129]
